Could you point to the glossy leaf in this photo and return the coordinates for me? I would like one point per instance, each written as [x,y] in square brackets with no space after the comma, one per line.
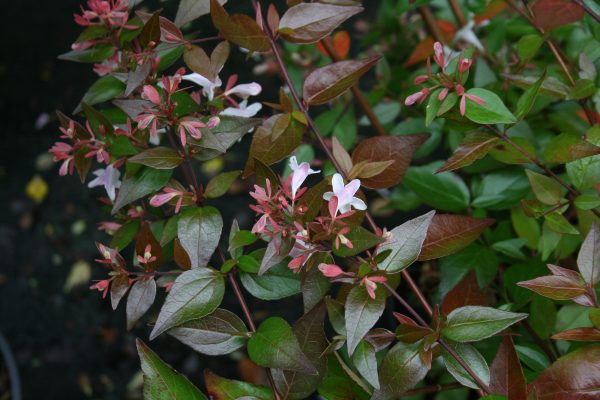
[474,146]
[140,299]
[474,323]
[199,231]
[575,376]
[546,189]
[472,358]
[400,371]
[492,112]
[362,312]
[361,238]
[579,335]
[220,184]
[145,182]
[555,287]
[506,372]
[398,149]
[239,29]
[328,82]
[277,283]
[163,382]
[221,332]
[195,293]
[568,147]
[366,363]
[190,10]
[311,22]
[449,233]
[465,293]
[158,158]
[405,243]
[274,345]
[527,100]
[220,388]
[588,259]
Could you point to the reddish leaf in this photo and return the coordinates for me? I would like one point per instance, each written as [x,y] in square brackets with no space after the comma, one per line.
[494,8]
[506,374]
[474,146]
[466,293]
[166,26]
[141,297]
[400,149]
[328,82]
[421,51]
[552,13]
[239,29]
[341,44]
[310,22]
[579,335]
[555,287]
[118,288]
[450,233]
[575,376]
[180,256]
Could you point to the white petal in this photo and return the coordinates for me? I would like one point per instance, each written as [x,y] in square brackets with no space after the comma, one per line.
[358,204]
[337,182]
[327,196]
[293,163]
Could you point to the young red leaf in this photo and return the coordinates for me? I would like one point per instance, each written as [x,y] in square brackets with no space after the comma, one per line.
[341,45]
[575,376]
[588,259]
[506,374]
[328,82]
[466,293]
[450,233]
[310,22]
[399,149]
[473,147]
[579,335]
[550,14]
[555,287]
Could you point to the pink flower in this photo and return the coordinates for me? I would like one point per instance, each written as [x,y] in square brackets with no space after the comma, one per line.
[331,270]
[420,97]
[147,257]
[370,284]
[463,96]
[192,127]
[109,226]
[101,286]
[152,94]
[62,152]
[168,194]
[299,174]
[438,55]
[345,194]
[144,120]
[259,226]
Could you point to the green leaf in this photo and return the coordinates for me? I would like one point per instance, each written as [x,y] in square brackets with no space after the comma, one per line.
[366,363]
[199,230]
[405,243]
[474,147]
[583,88]
[528,46]
[274,345]
[158,158]
[527,100]
[472,358]
[239,29]
[361,238]
[433,105]
[550,87]
[588,259]
[559,224]
[339,385]
[314,284]
[95,54]
[492,112]
[309,331]
[362,312]
[555,287]
[400,371]
[568,147]
[277,283]
[328,82]
[161,382]
[587,201]
[125,234]
[545,189]
[509,154]
[145,182]
[311,22]
[474,323]
[106,88]
[501,190]
[445,191]
[240,239]
[195,293]
[220,184]
[221,388]
[221,332]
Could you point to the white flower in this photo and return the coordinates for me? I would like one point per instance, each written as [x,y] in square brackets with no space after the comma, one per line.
[245,90]
[345,194]
[467,34]
[208,86]
[109,178]
[244,110]
[299,174]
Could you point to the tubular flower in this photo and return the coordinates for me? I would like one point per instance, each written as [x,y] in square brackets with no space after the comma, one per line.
[370,283]
[299,174]
[345,194]
[109,178]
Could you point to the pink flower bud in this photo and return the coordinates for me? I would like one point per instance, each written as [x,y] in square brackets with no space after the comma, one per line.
[420,79]
[464,65]
[331,270]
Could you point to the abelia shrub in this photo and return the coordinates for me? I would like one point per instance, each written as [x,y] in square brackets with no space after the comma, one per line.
[461,276]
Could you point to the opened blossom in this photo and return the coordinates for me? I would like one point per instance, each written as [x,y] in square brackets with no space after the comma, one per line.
[63,152]
[109,179]
[168,194]
[370,283]
[344,194]
[299,174]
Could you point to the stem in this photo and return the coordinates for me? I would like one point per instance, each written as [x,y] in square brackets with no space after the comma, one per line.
[358,95]
[431,23]
[458,14]
[587,9]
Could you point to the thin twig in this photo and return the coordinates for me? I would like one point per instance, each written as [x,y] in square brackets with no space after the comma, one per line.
[431,24]
[587,9]
[458,13]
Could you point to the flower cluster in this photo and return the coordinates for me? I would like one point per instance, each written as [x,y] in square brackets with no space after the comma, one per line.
[444,81]
[112,13]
